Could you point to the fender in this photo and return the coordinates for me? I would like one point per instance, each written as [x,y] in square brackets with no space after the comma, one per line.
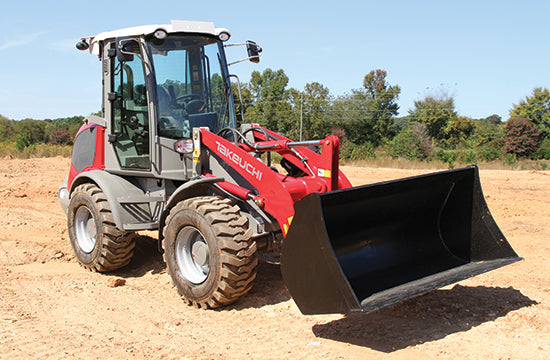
[188,190]
[114,187]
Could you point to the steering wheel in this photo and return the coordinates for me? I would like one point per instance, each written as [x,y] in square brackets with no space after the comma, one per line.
[188,97]
[193,103]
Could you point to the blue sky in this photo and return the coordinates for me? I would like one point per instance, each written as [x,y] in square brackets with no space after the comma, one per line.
[488,55]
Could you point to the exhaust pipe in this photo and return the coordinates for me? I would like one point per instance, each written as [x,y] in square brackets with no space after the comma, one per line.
[367,247]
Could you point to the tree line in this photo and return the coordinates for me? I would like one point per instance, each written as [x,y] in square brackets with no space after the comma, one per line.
[366,120]
[28,132]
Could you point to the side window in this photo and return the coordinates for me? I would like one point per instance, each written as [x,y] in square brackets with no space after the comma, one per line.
[130,115]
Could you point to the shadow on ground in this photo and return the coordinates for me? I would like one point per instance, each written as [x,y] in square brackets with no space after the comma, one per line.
[268,289]
[268,286]
[425,318]
[147,258]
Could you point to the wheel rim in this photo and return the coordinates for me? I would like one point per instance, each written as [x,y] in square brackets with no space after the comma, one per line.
[85,229]
[192,254]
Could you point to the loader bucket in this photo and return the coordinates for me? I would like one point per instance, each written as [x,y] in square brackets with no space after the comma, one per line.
[363,248]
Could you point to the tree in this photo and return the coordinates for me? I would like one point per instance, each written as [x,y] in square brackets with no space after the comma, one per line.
[522,137]
[367,114]
[61,137]
[7,129]
[435,112]
[23,140]
[35,129]
[312,104]
[412,143]
[268,91]
[459,130]
[536,109]
[493,119]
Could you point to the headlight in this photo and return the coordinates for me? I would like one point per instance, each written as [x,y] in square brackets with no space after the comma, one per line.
[184,146]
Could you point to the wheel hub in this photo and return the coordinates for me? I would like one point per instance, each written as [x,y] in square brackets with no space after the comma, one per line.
[200,253]
[192,255]
[85,229]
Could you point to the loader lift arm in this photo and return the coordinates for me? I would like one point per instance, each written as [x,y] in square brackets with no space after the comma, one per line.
[271,190]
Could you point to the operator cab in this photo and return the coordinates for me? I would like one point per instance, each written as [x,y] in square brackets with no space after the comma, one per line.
[160,82]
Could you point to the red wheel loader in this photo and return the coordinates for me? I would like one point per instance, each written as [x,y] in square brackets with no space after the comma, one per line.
[166,155]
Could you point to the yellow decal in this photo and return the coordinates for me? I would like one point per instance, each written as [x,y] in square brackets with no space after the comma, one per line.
[323,173]
[286,226]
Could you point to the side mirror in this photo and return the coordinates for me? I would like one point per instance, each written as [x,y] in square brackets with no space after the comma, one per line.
[126,48]
[82,45]
[254,51]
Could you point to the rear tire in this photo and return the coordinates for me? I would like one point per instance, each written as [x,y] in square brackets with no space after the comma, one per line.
[209,252]
[97,243]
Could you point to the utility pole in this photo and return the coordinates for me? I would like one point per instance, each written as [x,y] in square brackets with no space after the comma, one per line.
[301,101]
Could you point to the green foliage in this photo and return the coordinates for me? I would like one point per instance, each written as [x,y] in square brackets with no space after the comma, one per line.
[492,119]
[35,129]
[458,130]
[7,129]
[268,93]
[543,152]
[316,102]
[489,153]
[71,124]
[367,114]
[403,145]
[447,156]
[535,109]
[413,143]
[28,138]
[510,159]
[399,123]
[353,152]
[467,157]
[436,113]
[522,137]
[23,140]
[487,134]
[312,105]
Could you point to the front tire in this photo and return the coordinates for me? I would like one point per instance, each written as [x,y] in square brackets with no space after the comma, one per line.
[97,243]
[209,252]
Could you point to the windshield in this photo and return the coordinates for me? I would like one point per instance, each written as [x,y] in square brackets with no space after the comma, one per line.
[191,91]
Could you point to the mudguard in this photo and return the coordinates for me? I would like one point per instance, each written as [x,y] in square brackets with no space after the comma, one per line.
[115,187]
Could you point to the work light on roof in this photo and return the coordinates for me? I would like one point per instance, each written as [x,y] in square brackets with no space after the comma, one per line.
[224,36]
[160,34]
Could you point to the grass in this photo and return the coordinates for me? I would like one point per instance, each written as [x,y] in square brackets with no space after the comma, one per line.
[386,162]
[8,150]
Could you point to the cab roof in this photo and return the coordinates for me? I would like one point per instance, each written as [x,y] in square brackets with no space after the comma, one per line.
[176,26]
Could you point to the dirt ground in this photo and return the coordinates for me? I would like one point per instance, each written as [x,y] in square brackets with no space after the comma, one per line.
[52,308]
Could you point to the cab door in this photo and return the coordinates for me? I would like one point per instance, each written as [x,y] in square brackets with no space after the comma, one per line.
[129,107]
